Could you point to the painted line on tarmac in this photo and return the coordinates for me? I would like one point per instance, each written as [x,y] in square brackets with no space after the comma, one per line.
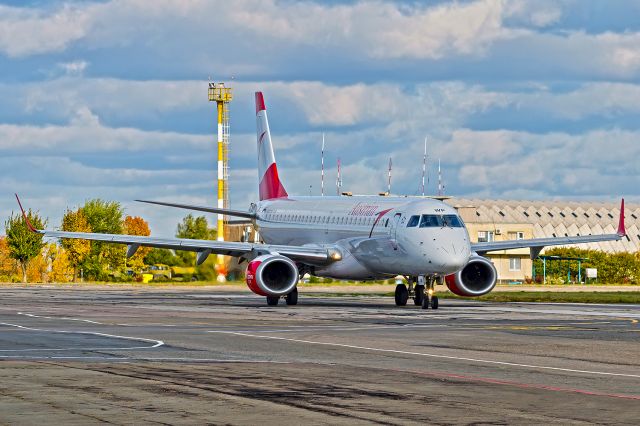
[97,322]
[458,358]
[60,318]
[453,327]
[157,343]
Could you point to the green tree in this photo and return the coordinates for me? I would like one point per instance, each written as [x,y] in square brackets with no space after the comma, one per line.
[613,268]
[104,217]
[161,256]
[76,250]
[195,228]
[24,245]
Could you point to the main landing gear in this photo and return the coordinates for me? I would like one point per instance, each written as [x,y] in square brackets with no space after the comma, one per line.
[421,289]
[291,298]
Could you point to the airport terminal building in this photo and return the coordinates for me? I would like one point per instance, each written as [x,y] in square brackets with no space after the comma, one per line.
[497,220]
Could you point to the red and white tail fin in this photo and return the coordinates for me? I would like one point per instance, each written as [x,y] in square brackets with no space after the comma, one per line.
[270,185]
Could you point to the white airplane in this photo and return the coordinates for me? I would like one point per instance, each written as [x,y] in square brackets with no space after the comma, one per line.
[347,237]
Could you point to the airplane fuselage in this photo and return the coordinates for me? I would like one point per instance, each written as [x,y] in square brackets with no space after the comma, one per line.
[378,236]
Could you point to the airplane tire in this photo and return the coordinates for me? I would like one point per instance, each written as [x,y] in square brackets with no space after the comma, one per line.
[292,297]
[401,295]
[419,295]
[273,300]
[434,302]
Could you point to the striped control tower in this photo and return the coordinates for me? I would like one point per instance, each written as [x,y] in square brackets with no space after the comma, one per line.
[222,95]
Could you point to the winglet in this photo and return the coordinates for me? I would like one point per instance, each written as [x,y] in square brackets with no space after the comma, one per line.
[622,231]
[26,219]
[260,103]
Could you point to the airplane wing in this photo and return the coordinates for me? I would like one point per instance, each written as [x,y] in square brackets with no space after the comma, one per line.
[537,244]
[237,213]
[311,254]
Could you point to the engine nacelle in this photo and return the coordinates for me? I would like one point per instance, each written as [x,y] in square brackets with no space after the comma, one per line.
[272,275]
[478,277]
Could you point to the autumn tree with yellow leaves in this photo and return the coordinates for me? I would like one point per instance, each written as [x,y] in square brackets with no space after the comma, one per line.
[8,265]
[135,225]
[61,270]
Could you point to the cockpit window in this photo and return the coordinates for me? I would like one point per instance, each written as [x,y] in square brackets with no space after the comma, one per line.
[453,221]
[431,221]
[413,221]
[440,221]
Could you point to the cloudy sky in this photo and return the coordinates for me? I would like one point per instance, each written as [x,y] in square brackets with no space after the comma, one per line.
[528,99]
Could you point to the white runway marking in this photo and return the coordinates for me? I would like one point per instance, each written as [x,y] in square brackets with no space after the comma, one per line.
[59,318]
[157,343]
[97,322]
[452,327]
[476,360]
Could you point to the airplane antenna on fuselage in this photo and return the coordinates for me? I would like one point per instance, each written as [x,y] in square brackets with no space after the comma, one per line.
[322,163]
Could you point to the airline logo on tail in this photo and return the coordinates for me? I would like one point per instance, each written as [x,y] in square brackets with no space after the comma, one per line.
[269,182]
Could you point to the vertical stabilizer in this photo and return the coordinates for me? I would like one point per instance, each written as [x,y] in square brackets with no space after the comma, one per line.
[269,182]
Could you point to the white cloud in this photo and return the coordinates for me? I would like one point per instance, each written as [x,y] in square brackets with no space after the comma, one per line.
[264,36]
[377,29]
[595,163]
[537,13]
[27,31]
[86,134]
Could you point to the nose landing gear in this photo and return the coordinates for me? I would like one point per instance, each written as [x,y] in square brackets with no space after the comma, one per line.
[429,298]
[421,289]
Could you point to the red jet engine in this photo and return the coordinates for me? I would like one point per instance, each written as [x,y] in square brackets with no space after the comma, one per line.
[272,275]
[478,277]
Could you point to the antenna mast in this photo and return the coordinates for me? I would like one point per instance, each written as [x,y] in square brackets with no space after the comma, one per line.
[440,185]
[339,180]
[322,175]
[389,182]
[424,164]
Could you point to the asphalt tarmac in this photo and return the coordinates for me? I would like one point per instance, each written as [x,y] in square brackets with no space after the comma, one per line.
[193,356]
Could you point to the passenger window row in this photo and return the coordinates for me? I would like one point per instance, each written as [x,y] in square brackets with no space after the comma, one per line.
[339,220]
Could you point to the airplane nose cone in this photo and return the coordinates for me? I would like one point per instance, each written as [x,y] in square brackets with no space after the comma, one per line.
[452,258]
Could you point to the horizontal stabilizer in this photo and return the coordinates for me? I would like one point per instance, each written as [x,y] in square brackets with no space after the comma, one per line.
[229,212]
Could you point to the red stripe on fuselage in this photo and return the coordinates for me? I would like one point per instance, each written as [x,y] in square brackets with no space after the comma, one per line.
[270,185]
